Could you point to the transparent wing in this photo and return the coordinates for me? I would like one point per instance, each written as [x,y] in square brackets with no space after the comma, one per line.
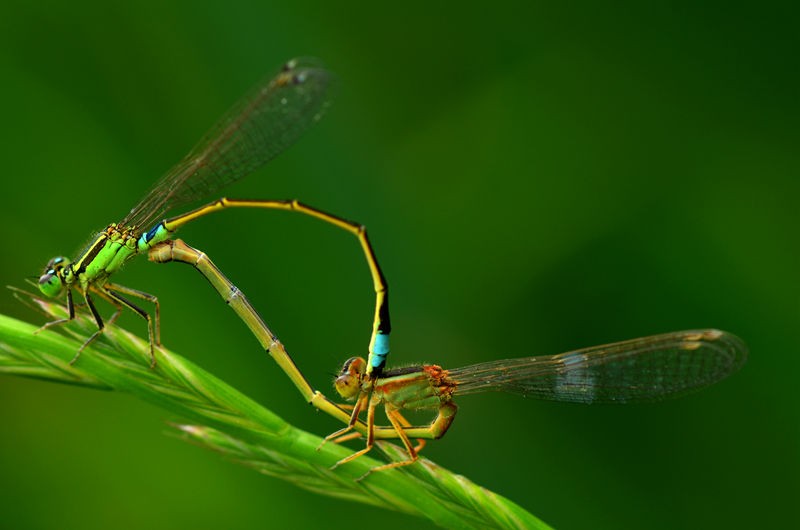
[639,370]
[261,125]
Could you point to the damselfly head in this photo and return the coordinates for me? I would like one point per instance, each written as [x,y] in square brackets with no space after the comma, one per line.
[348,384]
[51,281]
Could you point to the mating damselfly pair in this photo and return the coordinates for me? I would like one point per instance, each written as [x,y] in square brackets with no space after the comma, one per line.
[255,130]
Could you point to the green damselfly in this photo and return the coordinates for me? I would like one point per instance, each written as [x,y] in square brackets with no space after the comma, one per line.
[647,369]
[261,125]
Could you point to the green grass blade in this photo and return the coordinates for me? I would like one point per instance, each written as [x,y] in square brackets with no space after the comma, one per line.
[224,420]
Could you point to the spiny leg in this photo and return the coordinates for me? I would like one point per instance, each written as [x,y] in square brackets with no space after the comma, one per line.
[397,421]
[95,314]
[98,320]
[407,424]
[70,313]
[344,434]
[142,296]
[370,437]
[113,301]
[139,311]
[343,438]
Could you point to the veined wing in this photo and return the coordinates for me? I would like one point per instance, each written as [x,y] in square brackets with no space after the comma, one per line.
[639,370]
[261,125]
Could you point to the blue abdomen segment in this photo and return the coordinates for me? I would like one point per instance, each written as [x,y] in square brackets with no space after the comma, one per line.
[155,235]
[380,349]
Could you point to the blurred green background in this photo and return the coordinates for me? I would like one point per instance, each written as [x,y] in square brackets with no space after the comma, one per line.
[535,178]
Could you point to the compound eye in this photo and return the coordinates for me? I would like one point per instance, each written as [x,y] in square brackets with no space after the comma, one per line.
[355,366]
[50,284]
[348,384]
[58,260]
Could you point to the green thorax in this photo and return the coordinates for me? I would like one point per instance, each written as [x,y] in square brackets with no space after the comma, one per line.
[108,252]
[418,387]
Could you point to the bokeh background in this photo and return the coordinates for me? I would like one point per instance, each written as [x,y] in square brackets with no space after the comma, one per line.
[535,178]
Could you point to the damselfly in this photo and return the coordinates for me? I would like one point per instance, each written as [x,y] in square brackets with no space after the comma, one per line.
[255,130]
[641,370]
